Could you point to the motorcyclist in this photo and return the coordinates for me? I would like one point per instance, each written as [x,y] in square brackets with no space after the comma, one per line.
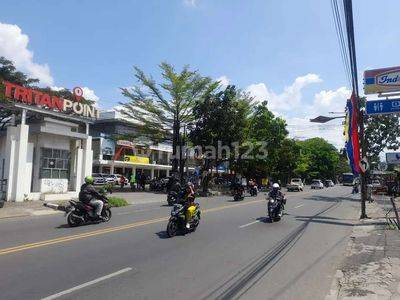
[90,196]
[187,200]
[275,193]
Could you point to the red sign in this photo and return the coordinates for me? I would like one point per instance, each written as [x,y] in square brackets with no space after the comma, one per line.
[41,99]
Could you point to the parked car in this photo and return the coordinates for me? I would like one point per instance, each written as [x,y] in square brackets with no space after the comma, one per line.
[329,183]
[296,184]
[317,184]
[98,179]
[110,178]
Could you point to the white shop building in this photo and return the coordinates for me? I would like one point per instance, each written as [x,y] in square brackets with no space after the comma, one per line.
[45,152]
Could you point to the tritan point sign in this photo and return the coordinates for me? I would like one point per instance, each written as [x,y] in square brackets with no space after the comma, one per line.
[38,98]
[382,80]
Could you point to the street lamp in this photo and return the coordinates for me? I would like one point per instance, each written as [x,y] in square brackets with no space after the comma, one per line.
[324,119]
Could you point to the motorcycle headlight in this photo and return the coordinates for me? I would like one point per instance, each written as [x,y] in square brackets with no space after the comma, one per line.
[272,200]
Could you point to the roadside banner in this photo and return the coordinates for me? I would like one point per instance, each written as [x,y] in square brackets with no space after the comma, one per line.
[351,135]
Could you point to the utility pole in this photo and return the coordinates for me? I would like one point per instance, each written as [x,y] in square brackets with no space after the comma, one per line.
[348,8]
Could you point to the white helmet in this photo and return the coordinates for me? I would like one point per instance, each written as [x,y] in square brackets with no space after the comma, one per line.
[275,186]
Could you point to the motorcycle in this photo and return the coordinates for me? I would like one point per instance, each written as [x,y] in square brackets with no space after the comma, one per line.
[177,221]
[79,213]
[275,208]
[238,194]
[253,191]
[172,198]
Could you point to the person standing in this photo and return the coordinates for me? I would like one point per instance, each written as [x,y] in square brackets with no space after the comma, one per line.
[122,181]
[133,183]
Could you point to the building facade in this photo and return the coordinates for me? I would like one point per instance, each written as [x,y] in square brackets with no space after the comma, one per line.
[46,150]
[114,156]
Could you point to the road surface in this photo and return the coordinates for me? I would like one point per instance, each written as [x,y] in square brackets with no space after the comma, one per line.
[235,253]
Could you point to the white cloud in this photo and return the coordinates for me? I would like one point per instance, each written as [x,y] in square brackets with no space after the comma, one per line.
[290,100]
[301,128]
[14,46]
[291,96]
[223,81]
[88,93]
[192,3]
[57,88]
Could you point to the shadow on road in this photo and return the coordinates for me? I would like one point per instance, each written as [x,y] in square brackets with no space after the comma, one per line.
[162,235]
[334,221]
[330,199]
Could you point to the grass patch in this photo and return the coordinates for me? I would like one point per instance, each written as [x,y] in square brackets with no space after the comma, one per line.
[117,202]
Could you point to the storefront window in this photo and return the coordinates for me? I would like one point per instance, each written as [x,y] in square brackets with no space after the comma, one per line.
[54,163]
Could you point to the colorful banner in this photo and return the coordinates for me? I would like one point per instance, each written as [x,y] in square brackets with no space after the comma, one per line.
[382,80]
[351,135]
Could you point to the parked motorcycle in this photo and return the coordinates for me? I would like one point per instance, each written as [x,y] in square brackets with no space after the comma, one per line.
[79,213]
[275,208]
[177,221]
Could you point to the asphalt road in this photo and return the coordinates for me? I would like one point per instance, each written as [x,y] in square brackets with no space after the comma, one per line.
[235,253]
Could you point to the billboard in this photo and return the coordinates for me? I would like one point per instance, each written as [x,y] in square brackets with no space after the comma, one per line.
[393,158]
[136,159]
[107,147]
[382,80]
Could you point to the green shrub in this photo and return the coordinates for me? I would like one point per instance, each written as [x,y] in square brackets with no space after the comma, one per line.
[117,202]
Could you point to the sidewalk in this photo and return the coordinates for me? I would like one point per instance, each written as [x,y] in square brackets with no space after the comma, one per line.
[24,209]
[371,266]
[36,208]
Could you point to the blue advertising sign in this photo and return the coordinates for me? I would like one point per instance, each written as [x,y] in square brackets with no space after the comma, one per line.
[378,107]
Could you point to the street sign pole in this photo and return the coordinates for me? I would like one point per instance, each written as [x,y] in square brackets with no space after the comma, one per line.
[364,192]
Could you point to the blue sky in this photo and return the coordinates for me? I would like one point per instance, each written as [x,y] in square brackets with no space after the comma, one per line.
[284,50]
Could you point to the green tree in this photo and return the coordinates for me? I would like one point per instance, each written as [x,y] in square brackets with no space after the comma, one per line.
[8,72]
[381,132]
[220,120]
[318,159]
[162,109]
[265,141]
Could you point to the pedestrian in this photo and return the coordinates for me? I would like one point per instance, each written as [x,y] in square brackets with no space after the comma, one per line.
[122,181]
[133,183]
[137,177]
[143,181]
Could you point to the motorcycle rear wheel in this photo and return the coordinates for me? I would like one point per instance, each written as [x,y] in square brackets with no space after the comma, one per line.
[172,228]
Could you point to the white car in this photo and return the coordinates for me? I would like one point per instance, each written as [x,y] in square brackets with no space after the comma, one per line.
[317,184]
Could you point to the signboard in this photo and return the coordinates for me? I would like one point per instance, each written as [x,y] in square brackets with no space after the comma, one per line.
[107,147]
[136,159]
[43,100]
[364,165]
[393,158]
[382,80]
[125,143]
[378,107]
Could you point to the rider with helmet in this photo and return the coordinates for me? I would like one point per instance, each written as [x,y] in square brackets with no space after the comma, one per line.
[90,196]
[187,200]
[275,193]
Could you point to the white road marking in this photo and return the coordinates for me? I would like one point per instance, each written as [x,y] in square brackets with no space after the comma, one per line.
[248,224]
[55,296]
[299,206]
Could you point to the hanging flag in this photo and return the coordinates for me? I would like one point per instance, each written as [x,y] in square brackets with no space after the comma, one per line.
[351,135]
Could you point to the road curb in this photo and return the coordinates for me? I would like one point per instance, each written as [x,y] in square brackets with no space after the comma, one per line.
[335,286]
